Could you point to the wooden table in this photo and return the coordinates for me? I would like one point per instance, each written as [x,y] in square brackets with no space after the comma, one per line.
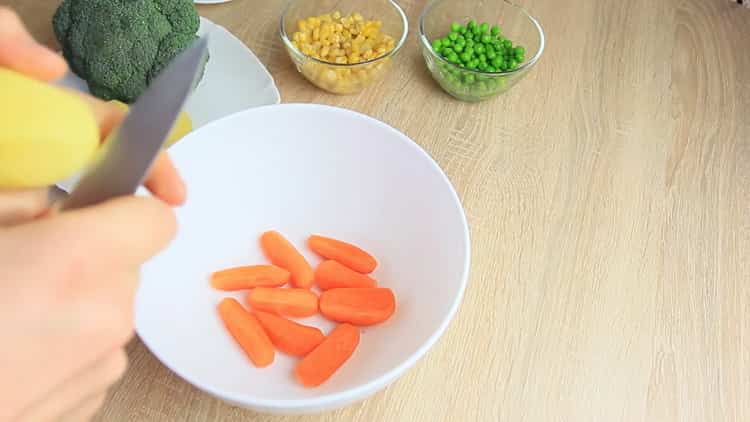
[609,201]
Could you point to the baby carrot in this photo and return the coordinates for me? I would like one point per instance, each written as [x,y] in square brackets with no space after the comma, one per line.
[346,253]
[247,331]
[289,336]
[318,366]
[290,302]
[285,255]
[250,276]
[330,274]
[358,306]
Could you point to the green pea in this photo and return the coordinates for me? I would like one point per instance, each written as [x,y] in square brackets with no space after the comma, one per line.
[458,48]
[453,36]
[437,44]
[486,39]
[495,30]
[469,42]
[520,51]
[490,54]
[482,66]
[462,30]
[453,57]
[469,78]
[513,64]
[447,51]
[491,68]
[469,50]
[446,41]
[460,39]
[473,64]
[482,57]
[483,28]
[479,48]
[507,43]
[497,62]
[455,27]
[465,57]
[472,24]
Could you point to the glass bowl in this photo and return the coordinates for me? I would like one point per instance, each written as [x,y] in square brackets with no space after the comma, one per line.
[343,78]
[476,85]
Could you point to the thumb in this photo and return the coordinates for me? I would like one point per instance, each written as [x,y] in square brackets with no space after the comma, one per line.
[124,231]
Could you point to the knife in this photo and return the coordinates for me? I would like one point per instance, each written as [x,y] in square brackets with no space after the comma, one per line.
[126,158]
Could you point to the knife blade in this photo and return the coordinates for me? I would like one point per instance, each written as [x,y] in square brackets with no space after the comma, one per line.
[125,160]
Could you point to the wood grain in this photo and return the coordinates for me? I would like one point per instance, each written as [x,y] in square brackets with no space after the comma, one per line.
[608,196]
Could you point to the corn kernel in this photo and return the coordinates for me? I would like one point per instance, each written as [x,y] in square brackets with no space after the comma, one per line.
[342,39]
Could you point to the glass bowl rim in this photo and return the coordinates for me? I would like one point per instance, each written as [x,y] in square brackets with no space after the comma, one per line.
[291,47]
[527,65]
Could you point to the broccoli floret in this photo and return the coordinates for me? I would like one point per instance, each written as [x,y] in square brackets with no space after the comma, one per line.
[119,46]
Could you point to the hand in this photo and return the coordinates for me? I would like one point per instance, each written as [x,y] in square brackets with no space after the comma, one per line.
[67,281]
[19,51]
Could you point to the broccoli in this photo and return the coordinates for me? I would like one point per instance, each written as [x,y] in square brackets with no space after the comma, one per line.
[119,46]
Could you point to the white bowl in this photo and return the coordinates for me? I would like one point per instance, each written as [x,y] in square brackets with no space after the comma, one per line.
[304,169]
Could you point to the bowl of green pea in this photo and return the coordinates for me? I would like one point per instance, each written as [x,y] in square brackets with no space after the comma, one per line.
[478,49]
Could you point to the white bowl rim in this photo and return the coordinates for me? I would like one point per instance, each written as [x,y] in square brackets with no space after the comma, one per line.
[381,381]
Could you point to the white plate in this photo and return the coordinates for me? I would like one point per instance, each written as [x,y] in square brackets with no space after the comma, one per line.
[304,169]
[234,80]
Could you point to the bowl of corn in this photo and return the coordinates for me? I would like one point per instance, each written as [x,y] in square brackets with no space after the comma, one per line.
[343,46]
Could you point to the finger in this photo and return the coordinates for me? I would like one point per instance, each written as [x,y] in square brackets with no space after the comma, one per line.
[68,397]
[121,233]
[86,410]
[107,114]
[165,182]
[18,206]
[20,52]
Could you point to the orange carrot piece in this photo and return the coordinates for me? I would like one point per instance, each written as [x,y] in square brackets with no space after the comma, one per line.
[358,306]
[289,302]
[285,255]
[248,277]
[247,331]
[331,274]
[290,337]
[320,364]
[345,253]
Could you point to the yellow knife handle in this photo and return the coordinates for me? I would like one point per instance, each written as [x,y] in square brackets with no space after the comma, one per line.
[46,132]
